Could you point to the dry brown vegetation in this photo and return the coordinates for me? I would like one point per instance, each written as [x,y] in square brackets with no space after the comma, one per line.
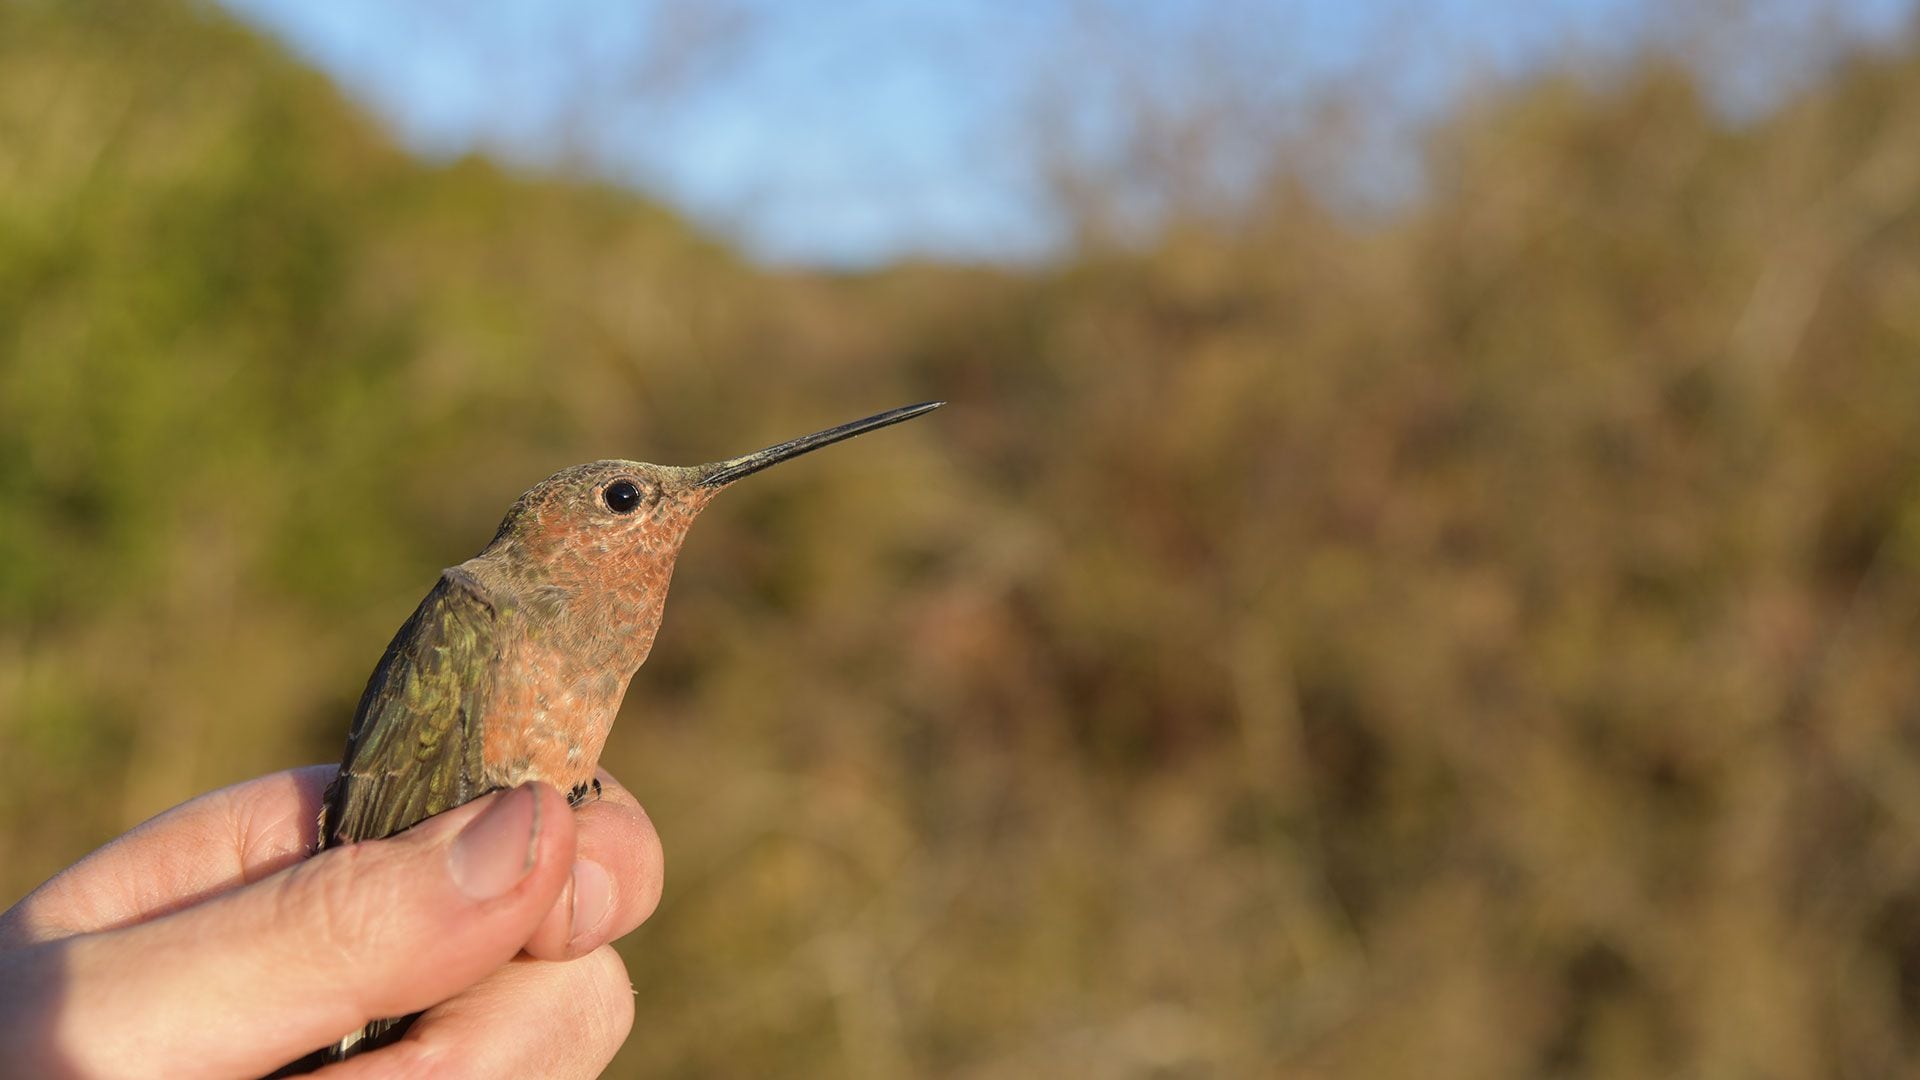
[1475,643]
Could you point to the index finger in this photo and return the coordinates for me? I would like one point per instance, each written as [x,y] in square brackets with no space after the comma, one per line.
[199,849]
[618,874]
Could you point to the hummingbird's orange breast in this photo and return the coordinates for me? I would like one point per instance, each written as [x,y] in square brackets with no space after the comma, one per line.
[548,720]
[560,681]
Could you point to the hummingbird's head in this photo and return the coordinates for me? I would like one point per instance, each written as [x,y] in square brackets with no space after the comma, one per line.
[596,523]
[618,525]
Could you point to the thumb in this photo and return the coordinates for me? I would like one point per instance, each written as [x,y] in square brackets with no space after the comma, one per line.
[259,976]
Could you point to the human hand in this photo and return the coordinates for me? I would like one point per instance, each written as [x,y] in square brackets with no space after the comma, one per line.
[203,943]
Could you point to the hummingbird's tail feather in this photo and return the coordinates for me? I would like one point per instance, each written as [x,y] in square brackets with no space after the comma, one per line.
[375,1035]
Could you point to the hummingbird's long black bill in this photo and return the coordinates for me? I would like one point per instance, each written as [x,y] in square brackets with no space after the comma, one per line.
[721,473]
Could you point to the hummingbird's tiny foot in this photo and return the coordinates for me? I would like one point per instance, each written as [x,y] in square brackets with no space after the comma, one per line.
[584,794]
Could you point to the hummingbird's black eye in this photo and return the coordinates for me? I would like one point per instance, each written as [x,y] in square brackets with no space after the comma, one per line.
[621,496]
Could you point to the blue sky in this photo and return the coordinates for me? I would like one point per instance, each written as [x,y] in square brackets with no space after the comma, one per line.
[858,132]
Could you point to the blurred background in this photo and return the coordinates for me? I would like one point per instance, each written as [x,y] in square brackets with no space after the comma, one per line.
[1420,575]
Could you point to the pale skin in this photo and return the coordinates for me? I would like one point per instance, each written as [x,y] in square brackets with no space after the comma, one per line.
[205,943]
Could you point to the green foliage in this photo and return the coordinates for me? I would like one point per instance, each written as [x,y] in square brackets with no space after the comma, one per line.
[1473,644]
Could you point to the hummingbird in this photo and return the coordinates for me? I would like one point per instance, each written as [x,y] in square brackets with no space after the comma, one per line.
[513,667]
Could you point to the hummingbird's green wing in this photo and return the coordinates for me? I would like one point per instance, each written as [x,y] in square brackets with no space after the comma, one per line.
[415,745]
